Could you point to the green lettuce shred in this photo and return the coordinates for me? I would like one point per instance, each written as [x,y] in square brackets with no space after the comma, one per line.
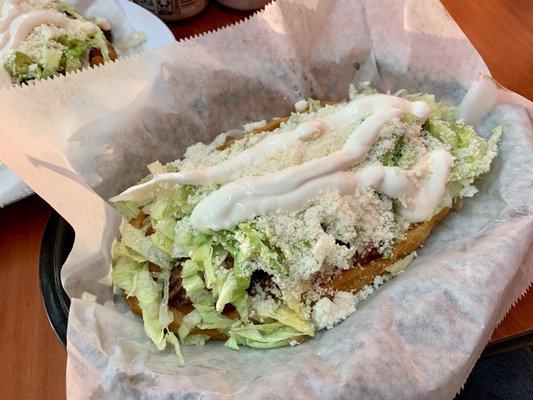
[135,279]
[265,336]
[136,240]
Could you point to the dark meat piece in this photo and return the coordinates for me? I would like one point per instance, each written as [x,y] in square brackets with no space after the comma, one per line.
[177,295]
[96,57]
[153,267]
[229,261]
[261,279]
[229,309]
[371,255]
[137,222]
[140,221]
[337,241]
[108,35]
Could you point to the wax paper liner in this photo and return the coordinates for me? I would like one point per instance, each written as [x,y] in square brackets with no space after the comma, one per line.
[417,337]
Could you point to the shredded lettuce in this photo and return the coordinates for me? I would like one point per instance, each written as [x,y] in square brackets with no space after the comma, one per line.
[188,322]
[125,274]
[204,255]
[148,293]
[128,209]
[286,316]
[438,110]
[265,336]
[98,41]
[193,283]
[136,240]
[135,279]
[233,291]
[473,154]
[205,315]
[22,67]
[72,55]
[212,319]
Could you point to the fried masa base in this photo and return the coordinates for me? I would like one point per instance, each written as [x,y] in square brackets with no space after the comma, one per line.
[350,280]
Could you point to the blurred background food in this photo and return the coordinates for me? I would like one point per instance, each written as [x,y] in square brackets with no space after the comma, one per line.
[174,10]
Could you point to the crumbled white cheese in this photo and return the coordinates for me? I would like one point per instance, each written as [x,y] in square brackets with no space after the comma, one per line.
[322,247]
[366,291]
[327,313]
[378,281]
[468,191]
[301,105]
[201,155]
[252,126]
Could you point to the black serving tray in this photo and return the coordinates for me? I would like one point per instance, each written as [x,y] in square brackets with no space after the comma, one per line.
[55,248]
[56,245]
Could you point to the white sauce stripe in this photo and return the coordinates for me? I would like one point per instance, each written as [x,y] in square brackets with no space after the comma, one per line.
[348,114]
[22,26]
[436,166]
[290,189]
[293,187]
[10,14]
[239,201]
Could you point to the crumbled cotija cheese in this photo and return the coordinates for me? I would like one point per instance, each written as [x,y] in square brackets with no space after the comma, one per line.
[251,126]
[203,155]
[327,313]
[301,105]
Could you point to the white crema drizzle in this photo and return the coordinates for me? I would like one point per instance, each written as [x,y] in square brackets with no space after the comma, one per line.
[290,189]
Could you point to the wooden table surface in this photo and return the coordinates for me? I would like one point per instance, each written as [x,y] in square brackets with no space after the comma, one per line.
[32,360]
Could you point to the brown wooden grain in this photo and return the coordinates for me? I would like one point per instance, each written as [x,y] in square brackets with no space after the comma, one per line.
[519,319]
[32,361]
[502,33]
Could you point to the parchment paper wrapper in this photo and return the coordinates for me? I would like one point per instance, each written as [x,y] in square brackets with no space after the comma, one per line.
[417,337]
[125,40]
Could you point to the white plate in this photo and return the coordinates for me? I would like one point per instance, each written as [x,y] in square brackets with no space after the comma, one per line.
[157,35]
